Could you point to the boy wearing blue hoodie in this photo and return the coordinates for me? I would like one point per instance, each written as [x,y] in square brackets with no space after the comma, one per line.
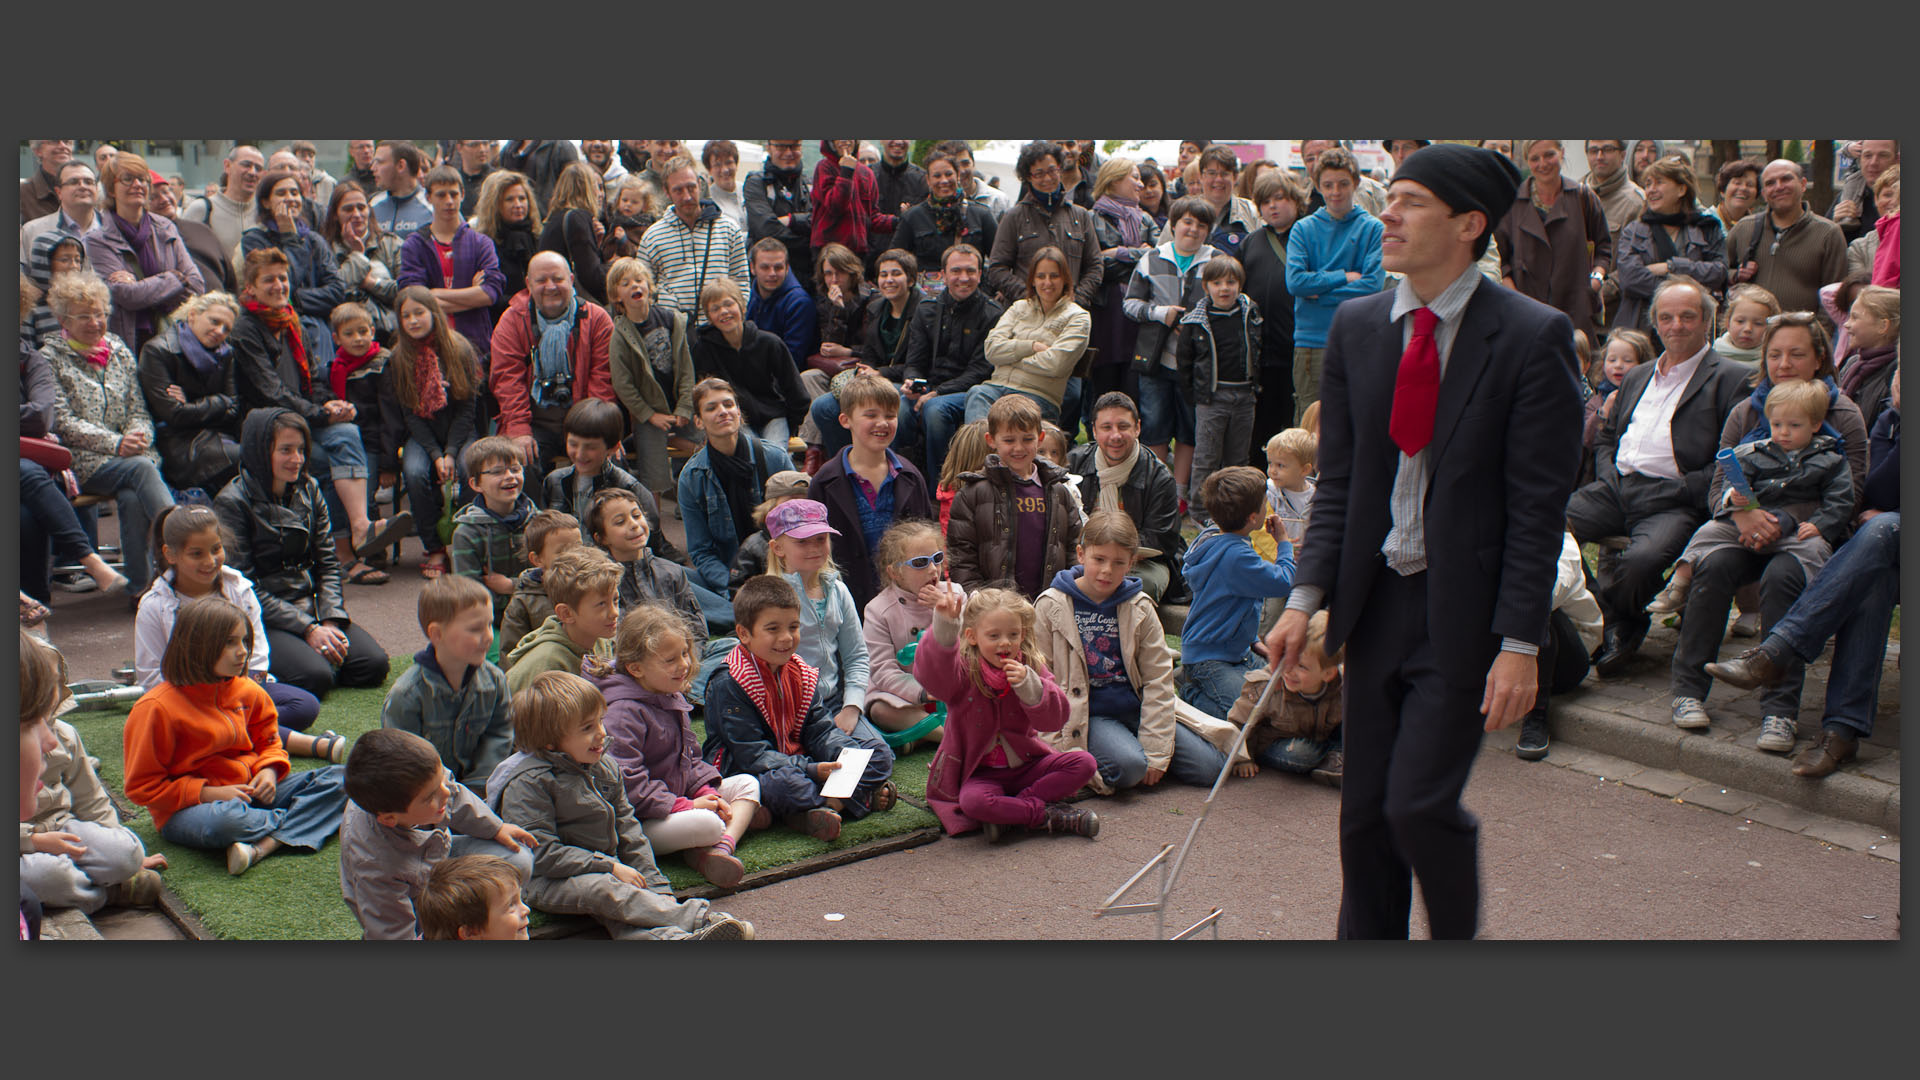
[1229,579]
[1218,358]
[1333,256]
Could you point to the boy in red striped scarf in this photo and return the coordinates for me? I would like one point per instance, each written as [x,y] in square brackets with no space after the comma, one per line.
[763,719]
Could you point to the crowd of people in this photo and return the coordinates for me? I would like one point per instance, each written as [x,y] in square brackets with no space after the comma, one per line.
[945,457]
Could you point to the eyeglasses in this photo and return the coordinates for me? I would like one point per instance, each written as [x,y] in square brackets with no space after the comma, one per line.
[1038,173]
[503,470]
[921,562]
[783,146]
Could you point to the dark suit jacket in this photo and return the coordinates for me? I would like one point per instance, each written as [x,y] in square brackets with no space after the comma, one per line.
[1505,451]
[1717,385]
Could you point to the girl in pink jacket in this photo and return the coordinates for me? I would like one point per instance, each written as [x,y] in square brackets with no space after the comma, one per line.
[912,558]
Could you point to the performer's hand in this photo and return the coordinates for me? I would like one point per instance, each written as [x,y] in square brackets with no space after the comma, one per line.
[1511,684]
[1286,640]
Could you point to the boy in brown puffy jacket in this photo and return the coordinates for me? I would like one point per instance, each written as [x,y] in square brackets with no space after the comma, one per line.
[1299,729]
[1014,522]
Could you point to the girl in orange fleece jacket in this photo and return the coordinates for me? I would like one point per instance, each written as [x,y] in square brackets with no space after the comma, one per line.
[203,749]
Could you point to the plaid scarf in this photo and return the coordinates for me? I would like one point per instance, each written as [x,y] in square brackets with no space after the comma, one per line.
[782,696]
[429,387]
[283,320]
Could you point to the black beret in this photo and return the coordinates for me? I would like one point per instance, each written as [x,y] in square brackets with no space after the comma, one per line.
[1464,177]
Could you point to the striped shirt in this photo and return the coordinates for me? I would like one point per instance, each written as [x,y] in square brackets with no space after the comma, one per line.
[1405,547]
[683,258]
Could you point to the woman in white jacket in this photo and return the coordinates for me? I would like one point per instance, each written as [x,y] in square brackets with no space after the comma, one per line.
[1036,345]
[188,548]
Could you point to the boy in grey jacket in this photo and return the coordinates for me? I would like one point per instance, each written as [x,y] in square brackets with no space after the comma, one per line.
[403,809]
[592,856]
[452,696]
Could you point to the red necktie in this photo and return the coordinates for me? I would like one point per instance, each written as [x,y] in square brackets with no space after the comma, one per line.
[1416,393]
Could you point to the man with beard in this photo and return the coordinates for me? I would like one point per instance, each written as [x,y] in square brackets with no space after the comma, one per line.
[777,202]
[1621,198]
[901,182]
[692,244]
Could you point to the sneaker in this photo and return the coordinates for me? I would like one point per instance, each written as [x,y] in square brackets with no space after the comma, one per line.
[76,582]
[1776,733]
[1690,713]
[140,890]
[1672,598]
[993,831]
[1533,738]
[1747,625]
[1331,768]
[724,927]
[239,857]
[1064,818]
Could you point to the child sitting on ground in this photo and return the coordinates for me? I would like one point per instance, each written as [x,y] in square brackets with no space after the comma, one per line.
[1798,475]
[1217,358]
[1100,632]
[1228,578]
[488,544]
[549,532]
[582,583]
[203,752]
[866,487]
[405,808]
[590,855]
[430,400]
[763,718]
[472,898]
[594,428]
[990,769]
[831,641]
[74,852]
[1013,521]
[751,559]
[682,802]
[1749,306]
[620,528]
[189,542]
[1299,730]
[912,561]
[965,454]
[452,696]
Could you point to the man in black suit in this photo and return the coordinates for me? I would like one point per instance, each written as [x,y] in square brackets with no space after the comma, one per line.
[1449,440]
[1653,462]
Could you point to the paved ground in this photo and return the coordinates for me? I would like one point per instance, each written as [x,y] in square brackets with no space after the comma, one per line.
[1630,829]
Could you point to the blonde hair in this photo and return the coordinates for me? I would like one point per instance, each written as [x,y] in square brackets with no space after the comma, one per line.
[76,289]
[1803,396]
[493,192]
[447,596]
[549,707]
[723,286]
[43,679]
[194,305]
[644,632]
[1110,174]
[1310,419]
[1110,527]
[1316,645]
[895,542]
[1299,443]
[966,453]
[576,189]
[1882,303]
[624,268]
[1750,293]
[778,565]
[991,601]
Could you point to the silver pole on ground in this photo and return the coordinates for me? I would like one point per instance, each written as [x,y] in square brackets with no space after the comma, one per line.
[1170,874]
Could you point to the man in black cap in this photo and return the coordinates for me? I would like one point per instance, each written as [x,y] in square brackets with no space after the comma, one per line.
[1449,441]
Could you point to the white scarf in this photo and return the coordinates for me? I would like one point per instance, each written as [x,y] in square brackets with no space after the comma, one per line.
[1113,476]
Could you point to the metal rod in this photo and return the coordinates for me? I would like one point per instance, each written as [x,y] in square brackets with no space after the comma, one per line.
[1135,879]
[1239,740]
[1212,919]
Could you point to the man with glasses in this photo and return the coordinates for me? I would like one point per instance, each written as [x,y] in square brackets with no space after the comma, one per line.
[40,193]
[777,204]
[78,209]
[549,351]
[1620,197]
[230,211]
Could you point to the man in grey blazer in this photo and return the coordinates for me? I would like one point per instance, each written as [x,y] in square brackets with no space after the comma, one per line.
[1449,441]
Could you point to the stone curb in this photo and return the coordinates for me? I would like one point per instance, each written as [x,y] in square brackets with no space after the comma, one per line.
[1844,795]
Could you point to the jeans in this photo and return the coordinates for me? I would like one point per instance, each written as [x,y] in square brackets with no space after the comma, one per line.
[139,495]
[1704,623]
[1297,755]
[338,454]
[306,809]
[1852,601]
[46,514]
[1164,411]
[422,482]
[1214,685]
[834,438]
[980,399]
[774,431]
[713,657]
[790,789]
[1223,435]
[941,416]
[1114,743]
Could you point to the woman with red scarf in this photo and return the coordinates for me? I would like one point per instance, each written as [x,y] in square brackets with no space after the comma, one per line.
[277,365]
[102,417]
[431,392]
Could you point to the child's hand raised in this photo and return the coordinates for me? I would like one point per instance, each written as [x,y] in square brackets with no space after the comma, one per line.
[949,604]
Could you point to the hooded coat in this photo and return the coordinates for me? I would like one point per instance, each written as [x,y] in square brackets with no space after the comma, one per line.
[283,544]
[468,724]
[650,736]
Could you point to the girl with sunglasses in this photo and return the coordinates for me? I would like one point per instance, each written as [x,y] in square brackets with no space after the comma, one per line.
[913,560]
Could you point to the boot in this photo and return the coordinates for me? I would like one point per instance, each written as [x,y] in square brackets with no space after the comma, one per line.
[1063,818]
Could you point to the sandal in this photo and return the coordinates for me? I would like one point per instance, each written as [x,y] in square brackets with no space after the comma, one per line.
[330,746]
[384,533]
[32,612]
[883,797]
[362,574]
[434,565]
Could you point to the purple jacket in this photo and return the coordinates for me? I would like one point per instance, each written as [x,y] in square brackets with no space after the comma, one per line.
[650,736]
[472,252]
[109,251]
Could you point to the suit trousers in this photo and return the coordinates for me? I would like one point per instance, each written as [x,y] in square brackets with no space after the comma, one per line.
[1654,515]
[1411,734]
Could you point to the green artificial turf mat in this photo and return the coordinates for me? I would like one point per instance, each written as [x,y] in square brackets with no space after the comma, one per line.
[296,896]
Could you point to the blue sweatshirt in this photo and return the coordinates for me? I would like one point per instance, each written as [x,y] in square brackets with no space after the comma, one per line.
[789,313]
[1111,692]
[1320,251]
[1229,578]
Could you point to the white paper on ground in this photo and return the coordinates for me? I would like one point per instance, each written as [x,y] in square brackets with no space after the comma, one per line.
[853,762]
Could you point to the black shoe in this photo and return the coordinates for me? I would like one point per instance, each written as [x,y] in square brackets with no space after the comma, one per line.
[1533,737]
[1617,650]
